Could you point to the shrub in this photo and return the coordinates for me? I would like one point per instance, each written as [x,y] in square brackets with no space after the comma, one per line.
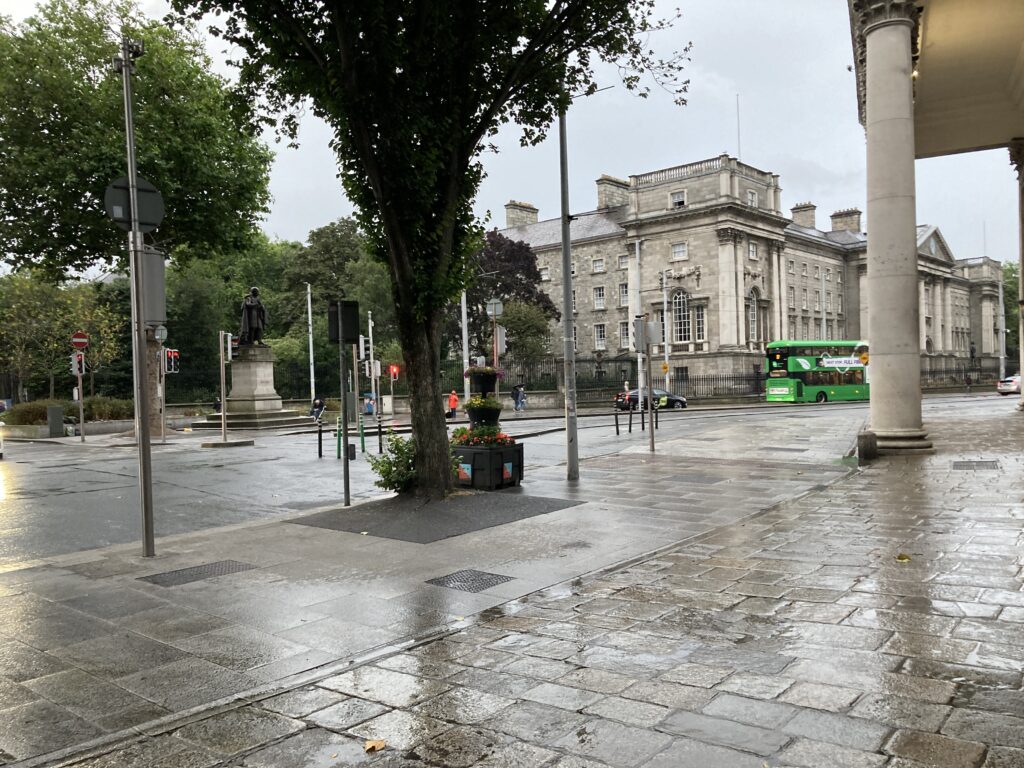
[100,408]
[484,402]
[35,411]
[395,466]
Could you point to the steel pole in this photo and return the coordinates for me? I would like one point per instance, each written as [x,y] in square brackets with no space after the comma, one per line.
[465,347]
[665,324]
[140,365]
[572,457]
[225,338]
[344,401]
[81,400]
[309,328]
[650,398]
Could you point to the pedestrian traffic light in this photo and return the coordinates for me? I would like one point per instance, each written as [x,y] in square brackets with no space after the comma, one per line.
[364,348]
[77,363]
[172,358]
[394,372]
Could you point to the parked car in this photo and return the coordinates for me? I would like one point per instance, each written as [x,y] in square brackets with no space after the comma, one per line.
[1009,386]
[625,401]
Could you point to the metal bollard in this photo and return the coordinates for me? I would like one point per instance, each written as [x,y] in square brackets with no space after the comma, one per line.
[2,425]
[631,421]
[339,437]
[616,421]
[657,418]
[319,439]
[380,437]
[643,418]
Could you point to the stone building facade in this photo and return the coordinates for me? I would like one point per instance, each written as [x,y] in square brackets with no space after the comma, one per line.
[706,249]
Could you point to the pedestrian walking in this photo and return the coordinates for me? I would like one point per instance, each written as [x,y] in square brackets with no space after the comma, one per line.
[519,397]
[453,404]
[967,382]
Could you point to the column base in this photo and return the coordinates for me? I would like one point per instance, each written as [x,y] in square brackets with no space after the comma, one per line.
[903,441]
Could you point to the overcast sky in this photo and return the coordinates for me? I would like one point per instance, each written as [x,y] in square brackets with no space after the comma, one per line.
[788,62]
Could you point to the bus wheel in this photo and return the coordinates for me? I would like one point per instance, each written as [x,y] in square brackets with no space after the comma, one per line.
[822,397]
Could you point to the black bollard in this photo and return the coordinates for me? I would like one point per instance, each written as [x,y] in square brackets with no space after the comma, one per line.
[319,440]
[643,418]
[657,418]
[380,437]
[631,421]
[616,421]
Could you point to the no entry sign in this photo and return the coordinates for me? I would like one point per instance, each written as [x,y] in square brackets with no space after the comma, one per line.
[80,340]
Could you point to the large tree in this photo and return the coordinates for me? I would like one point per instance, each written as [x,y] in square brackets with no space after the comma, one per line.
[412,90]
[62,138]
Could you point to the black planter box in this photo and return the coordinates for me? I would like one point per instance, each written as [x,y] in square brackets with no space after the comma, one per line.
[488,468]
[483,382]
[483,417]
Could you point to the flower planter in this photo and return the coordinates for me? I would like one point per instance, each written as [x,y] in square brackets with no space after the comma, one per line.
[483,416]
[483,382]
[489,467]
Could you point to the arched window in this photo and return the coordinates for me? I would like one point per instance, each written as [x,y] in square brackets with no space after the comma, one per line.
[681,329]
[752,313]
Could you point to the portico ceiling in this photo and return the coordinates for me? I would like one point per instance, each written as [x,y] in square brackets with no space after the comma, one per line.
[969,88]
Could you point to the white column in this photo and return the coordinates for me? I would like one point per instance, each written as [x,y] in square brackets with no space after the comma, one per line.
[728,332]
[893,300]
[1017,158]
[921,312]
[779,289]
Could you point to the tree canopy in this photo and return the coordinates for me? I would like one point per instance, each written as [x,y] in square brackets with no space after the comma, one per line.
[62,138]
[412,89]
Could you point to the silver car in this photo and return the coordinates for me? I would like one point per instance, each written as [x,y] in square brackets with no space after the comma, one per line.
[1009,386]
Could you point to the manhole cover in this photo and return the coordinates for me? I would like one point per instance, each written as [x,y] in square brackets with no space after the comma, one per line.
[470,580]
[975,465]
[196,573]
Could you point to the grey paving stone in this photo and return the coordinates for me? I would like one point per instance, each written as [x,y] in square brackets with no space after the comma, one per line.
[186,683]
[837,729]
[901,712]
[239,648]
[395,689]
[517,755]
[460,747]
[57,630]
[536,723]
[171,622]
[597,680]
[697,675]
[237,730]
[614,743]
[750,711]
[714,730]
[118,655]
[686,752]
[628,711]
[672,695]
[19,662]
[84,695]
[815,754]
[819,696]
[928,647]
[1004,757]
[935,750]
[345,714]
[938,672]
[464,705]
[312,747]
[414,665]
[113,602]
[40,727]
[987,727]
[498,683]
[562,696]
[157,752]
[301,702]
[1003,701]
[13,694]
[401,730]
[755,686]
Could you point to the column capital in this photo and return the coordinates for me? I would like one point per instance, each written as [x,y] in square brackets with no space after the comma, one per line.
[868,15]
[729,235]
[1016,148]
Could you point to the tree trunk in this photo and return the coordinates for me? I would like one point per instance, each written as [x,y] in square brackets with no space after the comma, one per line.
[421,348]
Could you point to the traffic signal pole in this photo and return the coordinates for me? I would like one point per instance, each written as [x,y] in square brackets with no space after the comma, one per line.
[79,366]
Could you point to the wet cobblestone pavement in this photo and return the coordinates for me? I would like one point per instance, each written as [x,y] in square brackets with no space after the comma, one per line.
[878,621]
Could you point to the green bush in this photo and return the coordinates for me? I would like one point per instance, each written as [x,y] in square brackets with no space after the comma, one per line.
[395,466]
[35,411]
[101,408]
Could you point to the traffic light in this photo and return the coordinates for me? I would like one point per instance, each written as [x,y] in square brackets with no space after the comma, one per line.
[172,358]
[394,372]
[77,363]
[364,348]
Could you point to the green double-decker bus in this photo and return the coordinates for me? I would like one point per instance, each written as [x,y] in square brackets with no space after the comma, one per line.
[817,371]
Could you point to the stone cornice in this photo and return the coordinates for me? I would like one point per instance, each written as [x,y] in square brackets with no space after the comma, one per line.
[865,14]
[729,235]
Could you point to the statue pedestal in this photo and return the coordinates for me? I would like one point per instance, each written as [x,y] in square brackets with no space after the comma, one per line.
[252,382]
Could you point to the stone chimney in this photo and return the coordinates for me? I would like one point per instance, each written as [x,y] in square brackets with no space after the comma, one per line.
[803,215]
[611,192]
[848,220]
[517,214]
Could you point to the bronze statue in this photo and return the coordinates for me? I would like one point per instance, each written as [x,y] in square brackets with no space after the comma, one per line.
[254,320]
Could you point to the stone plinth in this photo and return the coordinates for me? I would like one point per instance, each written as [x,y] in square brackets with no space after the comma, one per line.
[252,382]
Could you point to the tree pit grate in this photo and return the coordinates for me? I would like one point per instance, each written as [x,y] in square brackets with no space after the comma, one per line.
[196,573]
[470,580]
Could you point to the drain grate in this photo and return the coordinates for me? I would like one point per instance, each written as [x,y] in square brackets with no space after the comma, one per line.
[196,573]
[470,580]
[975,465]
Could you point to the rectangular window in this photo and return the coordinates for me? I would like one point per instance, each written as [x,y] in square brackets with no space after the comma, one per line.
[791,328]
[698,322]
[791,293]
[839,303]
[574,346]
[682,330]
[574,301]
[545,273]
[597,265]
[803,268]
[791,267]
[623,294]
[679,199]
[828,301]
[624,261]
[817,301]
[752,251]
[681,375]
[828,330]
[828,275]
[839,276]
[817,272]
[573,272]
[623,334]
[598,297]
[680,252]
[803,299]
[599,337]
[752,198]
[805,329]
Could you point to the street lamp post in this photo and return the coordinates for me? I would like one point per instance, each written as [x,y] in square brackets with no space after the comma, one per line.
[572,455]
[309,326]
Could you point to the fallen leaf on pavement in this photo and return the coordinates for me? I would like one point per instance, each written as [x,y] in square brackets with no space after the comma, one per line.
[374,745]
[902,557]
